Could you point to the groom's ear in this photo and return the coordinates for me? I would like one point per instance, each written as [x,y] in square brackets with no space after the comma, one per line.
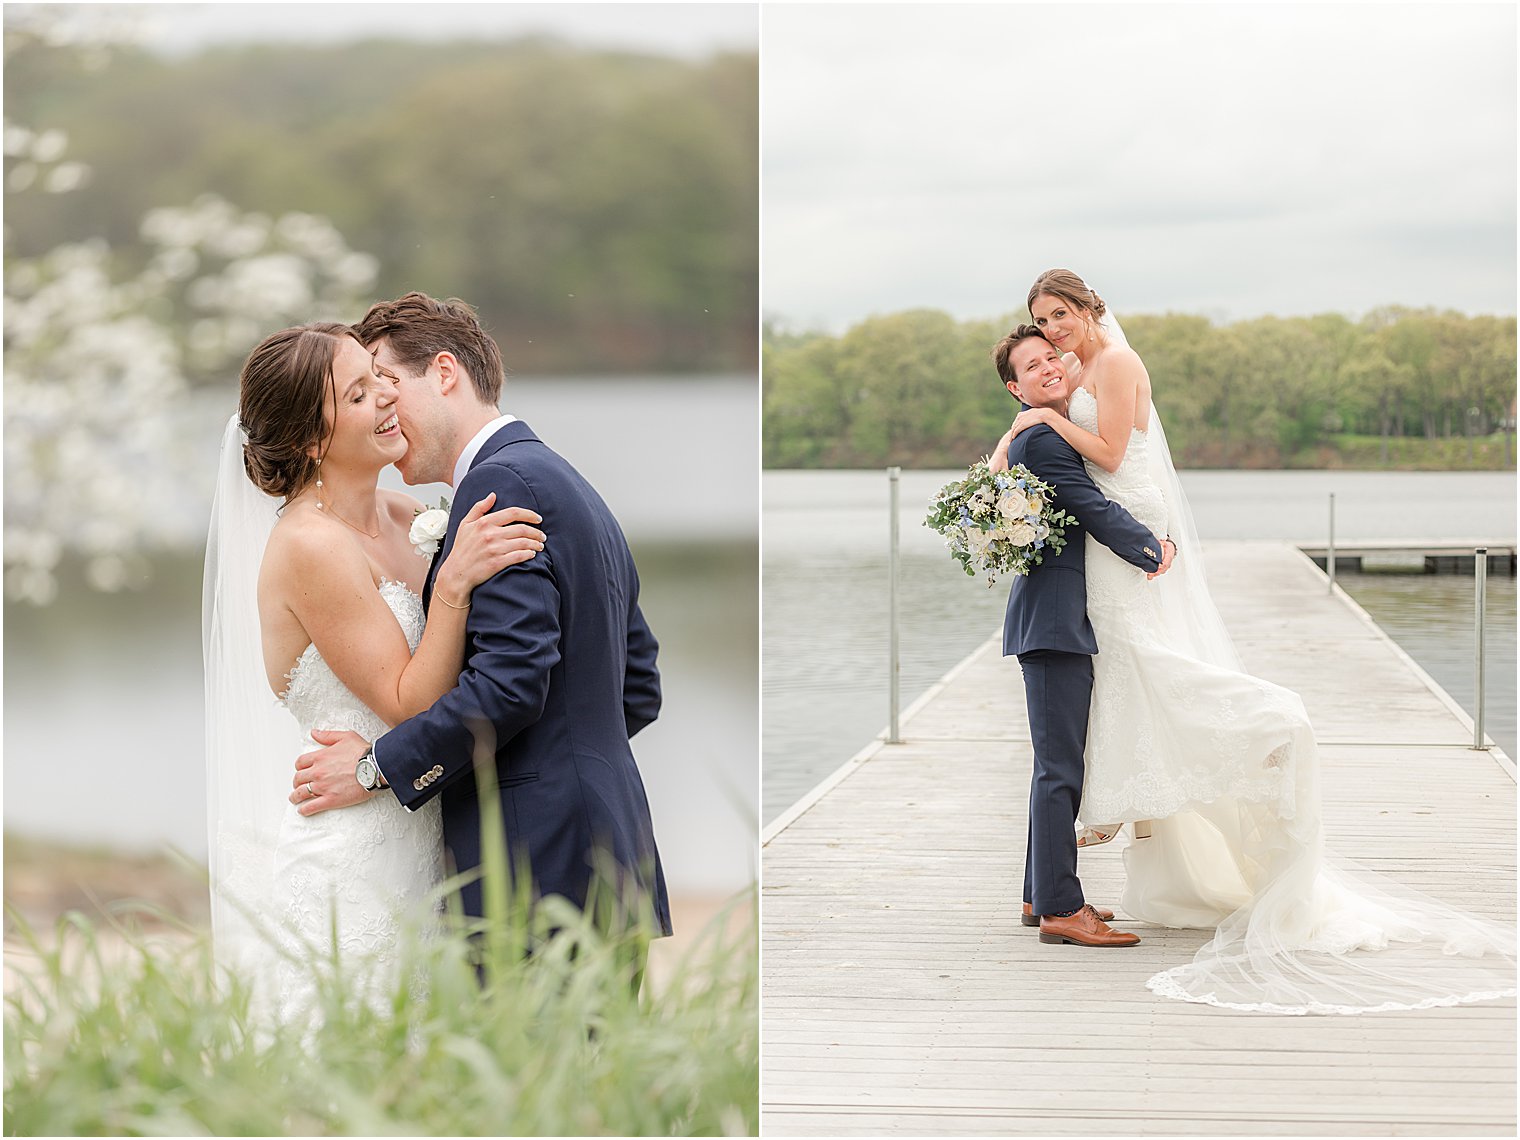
[1013,390]
[449,374]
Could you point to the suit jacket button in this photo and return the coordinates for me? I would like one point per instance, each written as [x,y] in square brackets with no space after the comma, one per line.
[417,784]
[437,769]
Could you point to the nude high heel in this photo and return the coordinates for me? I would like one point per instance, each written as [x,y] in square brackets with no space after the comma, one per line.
[1093,836]
[1104,833]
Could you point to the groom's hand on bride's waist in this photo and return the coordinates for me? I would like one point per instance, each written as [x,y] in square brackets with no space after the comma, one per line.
[325,778]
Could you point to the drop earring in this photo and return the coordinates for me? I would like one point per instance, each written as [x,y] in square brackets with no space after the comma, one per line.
[319,484]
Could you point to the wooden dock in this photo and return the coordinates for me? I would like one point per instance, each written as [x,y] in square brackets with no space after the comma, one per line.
[901,995]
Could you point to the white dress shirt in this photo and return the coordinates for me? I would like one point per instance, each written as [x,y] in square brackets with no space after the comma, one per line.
[472,449]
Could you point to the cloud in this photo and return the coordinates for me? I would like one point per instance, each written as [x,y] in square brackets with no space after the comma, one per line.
[1237,159]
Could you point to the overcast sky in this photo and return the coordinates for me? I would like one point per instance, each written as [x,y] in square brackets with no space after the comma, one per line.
[1225,159]
[667,29]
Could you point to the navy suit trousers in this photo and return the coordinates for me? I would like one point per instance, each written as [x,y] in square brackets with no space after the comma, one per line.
[1058,688]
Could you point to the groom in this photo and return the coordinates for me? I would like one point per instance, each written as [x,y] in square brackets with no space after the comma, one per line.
[1046,626]
[559,662]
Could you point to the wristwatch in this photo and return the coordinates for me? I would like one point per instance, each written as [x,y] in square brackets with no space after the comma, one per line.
[368,773]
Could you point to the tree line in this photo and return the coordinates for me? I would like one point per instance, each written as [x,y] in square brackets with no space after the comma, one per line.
[1399,387]
[598,207]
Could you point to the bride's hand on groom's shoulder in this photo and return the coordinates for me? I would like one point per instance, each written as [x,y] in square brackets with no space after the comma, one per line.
[325,778]
[487,544]
[1027,419]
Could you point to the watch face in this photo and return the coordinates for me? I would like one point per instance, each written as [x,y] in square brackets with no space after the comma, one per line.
[366,773]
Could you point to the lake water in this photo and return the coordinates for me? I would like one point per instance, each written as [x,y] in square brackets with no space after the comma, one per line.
[103,699]
[824,572]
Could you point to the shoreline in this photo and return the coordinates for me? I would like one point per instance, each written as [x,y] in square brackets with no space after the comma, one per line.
[45,880]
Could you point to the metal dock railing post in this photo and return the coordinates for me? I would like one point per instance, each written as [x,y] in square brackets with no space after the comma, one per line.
[1330,552]
[1480,604]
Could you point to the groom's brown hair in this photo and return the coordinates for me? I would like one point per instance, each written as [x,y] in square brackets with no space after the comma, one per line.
[1004,349]
[419,327]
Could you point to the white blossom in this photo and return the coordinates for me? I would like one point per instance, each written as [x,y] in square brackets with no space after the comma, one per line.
[49,146]
[100,444]
[18,140]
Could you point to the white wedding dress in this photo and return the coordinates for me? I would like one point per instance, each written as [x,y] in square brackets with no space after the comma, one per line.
[355,880]
[294,897]
[1227,767]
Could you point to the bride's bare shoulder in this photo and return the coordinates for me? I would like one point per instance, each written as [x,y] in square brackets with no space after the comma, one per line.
[306,547]
[1118,364]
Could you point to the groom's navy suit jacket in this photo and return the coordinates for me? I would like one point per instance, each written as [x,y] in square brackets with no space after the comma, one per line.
[1048,608]
[559,674]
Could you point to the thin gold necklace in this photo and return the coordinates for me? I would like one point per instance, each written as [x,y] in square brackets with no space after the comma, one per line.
[339,517]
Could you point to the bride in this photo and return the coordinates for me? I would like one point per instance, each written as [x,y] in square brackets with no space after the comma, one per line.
[1218,771]
[313,602]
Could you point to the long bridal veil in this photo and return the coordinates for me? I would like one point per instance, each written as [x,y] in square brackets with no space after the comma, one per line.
[251,742]
[1297,929]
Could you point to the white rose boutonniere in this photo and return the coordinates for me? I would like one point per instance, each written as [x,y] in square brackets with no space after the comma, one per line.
[428,528]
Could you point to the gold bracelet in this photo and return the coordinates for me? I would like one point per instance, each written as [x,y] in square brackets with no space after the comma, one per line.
[450,604]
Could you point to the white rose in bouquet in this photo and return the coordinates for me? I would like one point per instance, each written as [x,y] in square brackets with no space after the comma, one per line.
[1021,533]
[1013,505]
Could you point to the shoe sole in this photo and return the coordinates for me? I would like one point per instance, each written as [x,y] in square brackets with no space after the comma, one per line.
[1034,919]
[1057,939]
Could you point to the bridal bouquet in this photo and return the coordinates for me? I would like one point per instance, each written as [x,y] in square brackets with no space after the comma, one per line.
[998,523]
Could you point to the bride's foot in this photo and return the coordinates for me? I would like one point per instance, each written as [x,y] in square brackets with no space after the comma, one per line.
[1029,918]
[1092,836]
[1103,833]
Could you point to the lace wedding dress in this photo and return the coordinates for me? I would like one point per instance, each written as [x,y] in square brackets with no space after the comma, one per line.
[1227,767]
[358,879]
[294,896]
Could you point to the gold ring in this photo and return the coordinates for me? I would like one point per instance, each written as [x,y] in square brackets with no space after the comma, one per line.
[311,792]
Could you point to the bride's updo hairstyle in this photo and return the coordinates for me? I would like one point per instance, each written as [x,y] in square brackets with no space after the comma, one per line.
[1065,284]
[283,388]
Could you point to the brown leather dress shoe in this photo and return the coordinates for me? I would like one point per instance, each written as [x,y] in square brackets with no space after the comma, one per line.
[1084,928]
[1029,918]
